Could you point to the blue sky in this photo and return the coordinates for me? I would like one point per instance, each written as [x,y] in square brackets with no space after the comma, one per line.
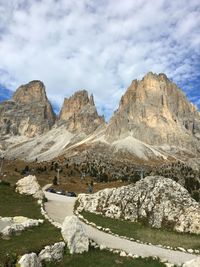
[99,45]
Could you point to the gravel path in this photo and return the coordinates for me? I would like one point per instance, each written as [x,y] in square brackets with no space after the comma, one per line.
[58,207]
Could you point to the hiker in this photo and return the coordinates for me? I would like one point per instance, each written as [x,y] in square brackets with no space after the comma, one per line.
[90,188]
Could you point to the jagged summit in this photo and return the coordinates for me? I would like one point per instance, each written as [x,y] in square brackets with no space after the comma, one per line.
[29,114]
[80,113]
[154,121]
[155,111]
[30,92]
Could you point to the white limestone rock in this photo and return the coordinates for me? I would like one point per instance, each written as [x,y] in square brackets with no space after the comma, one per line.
[122,254]
[29,186]
[18,224]
[102,247]
[4,222]
[160,201]
[29,260]
[192,263]
[167,264]
[52,253]
[74,235]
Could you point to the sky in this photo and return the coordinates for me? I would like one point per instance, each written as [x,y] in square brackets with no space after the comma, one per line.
[99,45]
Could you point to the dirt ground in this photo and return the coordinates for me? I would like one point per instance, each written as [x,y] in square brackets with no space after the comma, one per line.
[12,172]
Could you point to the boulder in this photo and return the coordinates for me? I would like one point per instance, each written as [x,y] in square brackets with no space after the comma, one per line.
[18,224]
[192,263]
[157,200]
[52,253]
[29,260]
[4,222]
[29,186]
[74,235]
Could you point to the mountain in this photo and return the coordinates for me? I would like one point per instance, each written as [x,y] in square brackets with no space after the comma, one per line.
[156,112]
[28,113]
[80,114]
[154,123]
[5,93]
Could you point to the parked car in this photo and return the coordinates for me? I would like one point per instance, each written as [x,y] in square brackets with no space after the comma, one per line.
[70,194]
[50,190]
[61,192]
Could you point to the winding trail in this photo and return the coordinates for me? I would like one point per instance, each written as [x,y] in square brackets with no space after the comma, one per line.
[58,207]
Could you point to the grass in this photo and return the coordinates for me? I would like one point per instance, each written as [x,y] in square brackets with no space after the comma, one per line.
[98,258]
[145,233]
[13,204]
[33,239]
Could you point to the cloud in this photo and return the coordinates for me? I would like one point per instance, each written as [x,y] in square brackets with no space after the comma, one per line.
[98,45]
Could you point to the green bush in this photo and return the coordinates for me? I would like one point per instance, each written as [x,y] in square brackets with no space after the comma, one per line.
[3,182]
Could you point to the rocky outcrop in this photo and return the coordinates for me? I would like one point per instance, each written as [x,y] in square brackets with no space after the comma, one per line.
[52,253]
[29,186]
[159,201]
[49,254]
[17,224]
[28,113]
[80,114]
[74,235]
[155,111]
[29,260]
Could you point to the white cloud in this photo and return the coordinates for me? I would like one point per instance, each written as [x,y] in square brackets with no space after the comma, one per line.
[97,45]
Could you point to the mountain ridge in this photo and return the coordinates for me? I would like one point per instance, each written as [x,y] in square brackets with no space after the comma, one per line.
[154,121]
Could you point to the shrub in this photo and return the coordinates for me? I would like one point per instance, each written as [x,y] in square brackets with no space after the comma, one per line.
[3,182]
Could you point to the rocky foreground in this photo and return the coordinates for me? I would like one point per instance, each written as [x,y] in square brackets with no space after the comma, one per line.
[159,201]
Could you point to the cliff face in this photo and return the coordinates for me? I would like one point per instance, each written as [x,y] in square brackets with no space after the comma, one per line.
[155,111]
[28,113]
[79,113]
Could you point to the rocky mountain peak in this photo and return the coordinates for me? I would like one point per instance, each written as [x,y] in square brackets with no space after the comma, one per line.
[156,111]
[160,76]
[91,100]
[33,91]
[30,113]
[79,113]
[74,104]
